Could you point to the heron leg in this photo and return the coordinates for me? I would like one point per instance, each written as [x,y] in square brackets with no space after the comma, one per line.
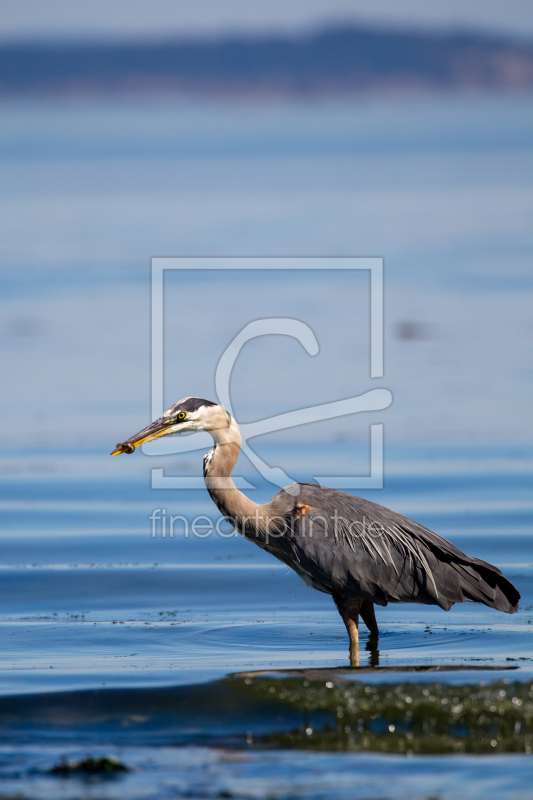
[349,611]
[369,617]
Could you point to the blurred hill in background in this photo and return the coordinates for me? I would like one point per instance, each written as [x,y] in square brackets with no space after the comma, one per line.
[335,59]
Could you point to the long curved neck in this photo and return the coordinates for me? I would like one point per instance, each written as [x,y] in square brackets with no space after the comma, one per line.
[218,466]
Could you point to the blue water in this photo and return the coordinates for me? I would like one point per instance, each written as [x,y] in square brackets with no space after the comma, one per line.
[92,601]
[90,597]
[106,629]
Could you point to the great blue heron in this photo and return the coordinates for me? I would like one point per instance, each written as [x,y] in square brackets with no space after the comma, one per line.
[359,552]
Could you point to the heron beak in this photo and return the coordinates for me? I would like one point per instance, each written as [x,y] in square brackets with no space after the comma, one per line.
[152,431]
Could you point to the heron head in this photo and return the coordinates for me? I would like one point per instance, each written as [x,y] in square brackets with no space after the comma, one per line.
[190,414]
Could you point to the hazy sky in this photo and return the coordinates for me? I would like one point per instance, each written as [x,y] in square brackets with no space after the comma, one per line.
[22,19]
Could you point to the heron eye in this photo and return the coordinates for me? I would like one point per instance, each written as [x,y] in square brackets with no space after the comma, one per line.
[182,415]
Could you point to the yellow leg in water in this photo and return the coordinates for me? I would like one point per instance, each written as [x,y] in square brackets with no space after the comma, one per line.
[353,633]
[349,611]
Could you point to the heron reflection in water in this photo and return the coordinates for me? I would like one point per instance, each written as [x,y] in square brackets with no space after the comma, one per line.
[359,552]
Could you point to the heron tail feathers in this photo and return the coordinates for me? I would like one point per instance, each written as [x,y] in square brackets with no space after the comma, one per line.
[488,586]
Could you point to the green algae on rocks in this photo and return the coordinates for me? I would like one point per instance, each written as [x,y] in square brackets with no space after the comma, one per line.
[89,766]
[424,718]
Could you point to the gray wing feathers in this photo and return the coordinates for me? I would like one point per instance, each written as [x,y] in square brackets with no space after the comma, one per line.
[348,545]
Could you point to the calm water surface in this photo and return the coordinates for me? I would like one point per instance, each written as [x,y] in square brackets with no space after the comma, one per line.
[116,642]
[201,663]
